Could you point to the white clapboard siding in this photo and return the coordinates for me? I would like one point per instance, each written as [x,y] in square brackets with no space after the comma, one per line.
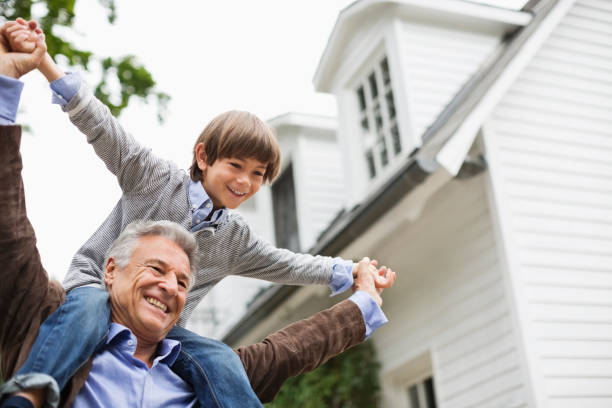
[439,60]
[551,139]
[321,186]
[450,300]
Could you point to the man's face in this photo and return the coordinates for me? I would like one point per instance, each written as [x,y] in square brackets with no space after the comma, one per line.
[147,295]
[231,181]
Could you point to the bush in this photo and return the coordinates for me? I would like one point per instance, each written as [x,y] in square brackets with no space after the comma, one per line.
[349,380]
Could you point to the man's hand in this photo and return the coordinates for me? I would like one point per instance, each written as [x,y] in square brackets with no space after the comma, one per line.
[16,64]
[372,280]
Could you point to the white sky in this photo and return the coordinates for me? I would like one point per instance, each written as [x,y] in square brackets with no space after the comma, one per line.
[210,56]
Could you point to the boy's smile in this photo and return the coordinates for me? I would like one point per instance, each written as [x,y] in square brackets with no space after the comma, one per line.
[231,181]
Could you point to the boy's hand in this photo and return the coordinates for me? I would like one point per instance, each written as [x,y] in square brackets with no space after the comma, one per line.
[21,35]
[383,277]
[16,64]
[366,276]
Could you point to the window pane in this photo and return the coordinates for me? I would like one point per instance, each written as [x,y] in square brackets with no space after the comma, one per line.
[378,118]
[390,104]
[284,209]
[395,138]
[362,100]
[364,124]
[370,160]
[429,393]
[384,66]
[373,86]
[413,395]
[382,148]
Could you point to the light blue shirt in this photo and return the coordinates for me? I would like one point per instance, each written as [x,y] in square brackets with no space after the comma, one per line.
[118,379]
[201,205]
[10,93]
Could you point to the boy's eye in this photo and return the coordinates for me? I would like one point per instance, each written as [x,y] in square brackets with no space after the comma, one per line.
[236,165]
[259,173]
[183,284]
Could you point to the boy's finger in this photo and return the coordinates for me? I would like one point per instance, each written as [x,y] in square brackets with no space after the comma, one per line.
[21,21]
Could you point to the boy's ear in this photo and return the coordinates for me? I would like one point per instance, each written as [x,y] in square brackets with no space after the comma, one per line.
[110,271]
[200,154]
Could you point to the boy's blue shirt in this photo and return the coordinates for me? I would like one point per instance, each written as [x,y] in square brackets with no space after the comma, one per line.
[67,86]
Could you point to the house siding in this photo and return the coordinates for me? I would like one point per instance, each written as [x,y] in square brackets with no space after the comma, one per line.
[551,141]
[451,302]
[439,60]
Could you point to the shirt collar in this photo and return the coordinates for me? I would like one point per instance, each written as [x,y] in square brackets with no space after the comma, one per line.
[197,195]
[120,336]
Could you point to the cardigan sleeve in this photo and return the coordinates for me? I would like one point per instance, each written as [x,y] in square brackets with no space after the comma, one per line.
[135,166]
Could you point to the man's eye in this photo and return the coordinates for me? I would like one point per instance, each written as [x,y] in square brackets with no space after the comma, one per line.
[156,268]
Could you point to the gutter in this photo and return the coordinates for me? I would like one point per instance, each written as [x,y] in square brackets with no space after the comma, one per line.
[422,163]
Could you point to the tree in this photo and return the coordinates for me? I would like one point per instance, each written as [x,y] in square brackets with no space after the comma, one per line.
[134,79]
[349,380]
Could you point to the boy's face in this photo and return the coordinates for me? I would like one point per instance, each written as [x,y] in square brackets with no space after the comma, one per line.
[231,181]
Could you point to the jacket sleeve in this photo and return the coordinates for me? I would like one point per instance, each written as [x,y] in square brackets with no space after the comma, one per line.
[27,296]
[134,165]
[301,347]
[257,258]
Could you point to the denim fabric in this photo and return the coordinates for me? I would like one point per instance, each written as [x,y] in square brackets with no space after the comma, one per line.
[70,336]
[215,371]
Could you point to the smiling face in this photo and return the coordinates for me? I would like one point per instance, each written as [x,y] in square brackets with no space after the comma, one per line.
[230,181]
[148,294]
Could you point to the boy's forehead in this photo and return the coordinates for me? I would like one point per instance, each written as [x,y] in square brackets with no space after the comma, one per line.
[251,160]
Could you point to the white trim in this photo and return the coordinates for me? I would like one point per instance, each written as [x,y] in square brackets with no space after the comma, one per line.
[501,218]
[453,152]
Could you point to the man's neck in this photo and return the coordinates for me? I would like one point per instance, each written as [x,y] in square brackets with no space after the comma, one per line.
[145,352]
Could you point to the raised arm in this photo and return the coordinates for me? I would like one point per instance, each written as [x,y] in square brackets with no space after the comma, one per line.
[26,295]
[135,166]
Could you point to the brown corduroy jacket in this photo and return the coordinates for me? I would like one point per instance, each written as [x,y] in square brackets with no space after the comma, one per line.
[28,297]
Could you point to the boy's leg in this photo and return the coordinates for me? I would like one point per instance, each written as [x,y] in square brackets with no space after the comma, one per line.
[214,370]
[70,336]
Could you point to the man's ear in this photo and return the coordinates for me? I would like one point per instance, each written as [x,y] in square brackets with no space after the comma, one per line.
[200,154]
[110,271]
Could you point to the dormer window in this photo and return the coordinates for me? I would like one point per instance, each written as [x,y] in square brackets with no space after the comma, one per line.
[381,137]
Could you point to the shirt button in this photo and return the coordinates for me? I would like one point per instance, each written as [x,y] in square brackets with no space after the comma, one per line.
[130,342]
[207,205]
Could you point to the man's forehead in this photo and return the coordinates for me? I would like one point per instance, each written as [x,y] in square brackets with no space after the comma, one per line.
[161,250]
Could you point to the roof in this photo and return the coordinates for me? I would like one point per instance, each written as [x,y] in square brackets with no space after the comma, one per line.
[447,134]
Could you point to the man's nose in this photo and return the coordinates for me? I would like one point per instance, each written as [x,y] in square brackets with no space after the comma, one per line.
[170,284]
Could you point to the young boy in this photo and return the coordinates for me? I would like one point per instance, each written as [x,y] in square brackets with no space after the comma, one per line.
[233,156]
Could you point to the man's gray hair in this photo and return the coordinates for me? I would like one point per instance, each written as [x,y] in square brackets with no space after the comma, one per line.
[122,248]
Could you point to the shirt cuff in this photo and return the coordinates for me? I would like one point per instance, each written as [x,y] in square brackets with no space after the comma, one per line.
[342,276]
[373,315]
[10,93]
[65,88]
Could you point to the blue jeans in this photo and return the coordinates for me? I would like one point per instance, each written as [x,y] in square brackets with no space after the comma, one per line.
[75,331]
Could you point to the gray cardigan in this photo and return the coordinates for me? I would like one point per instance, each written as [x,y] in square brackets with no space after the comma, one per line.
[156,189]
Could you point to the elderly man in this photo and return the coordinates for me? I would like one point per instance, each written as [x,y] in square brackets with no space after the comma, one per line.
[147,276]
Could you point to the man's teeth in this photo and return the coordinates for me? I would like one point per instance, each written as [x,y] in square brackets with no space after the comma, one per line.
[235,191]
[157,303]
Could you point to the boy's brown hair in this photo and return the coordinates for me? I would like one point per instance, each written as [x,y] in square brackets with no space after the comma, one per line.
[238,134]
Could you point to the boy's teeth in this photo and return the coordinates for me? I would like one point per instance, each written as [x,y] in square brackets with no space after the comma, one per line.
[236,192]
[157,303]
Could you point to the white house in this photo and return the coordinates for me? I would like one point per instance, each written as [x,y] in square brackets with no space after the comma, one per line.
[474,156]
